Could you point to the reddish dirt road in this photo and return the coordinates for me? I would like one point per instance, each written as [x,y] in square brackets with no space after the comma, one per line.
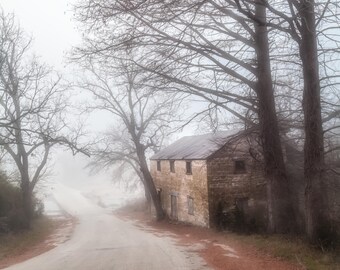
[219,250]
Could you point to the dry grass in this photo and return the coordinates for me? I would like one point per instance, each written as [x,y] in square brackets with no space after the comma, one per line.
[293,249]
[15,244]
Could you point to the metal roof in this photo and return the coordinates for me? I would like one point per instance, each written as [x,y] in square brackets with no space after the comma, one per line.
[195,147]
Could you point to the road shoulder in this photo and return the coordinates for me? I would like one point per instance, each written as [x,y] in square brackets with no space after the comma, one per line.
[46,234]
[219,249]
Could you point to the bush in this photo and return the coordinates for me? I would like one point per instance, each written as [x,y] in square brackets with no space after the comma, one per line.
[11,209]
[10,204]
[327,236]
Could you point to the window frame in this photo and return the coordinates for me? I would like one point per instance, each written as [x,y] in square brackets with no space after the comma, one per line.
[188,169]
[172,166]
[174,206]
[191,205]
[240,169]
[159,167]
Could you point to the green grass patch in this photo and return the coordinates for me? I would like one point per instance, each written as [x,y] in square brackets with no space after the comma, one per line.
[293,249]
[13,244]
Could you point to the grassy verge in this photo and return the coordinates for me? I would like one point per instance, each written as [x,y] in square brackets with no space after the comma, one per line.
[293,249]
[14,244]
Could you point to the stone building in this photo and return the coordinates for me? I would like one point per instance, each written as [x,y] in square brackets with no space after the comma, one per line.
[203,179]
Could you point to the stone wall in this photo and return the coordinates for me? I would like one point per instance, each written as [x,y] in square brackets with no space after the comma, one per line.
[231,190]
[215,185]
[183,186]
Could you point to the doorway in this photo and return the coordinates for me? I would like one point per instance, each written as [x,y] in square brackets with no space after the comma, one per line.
[173,213]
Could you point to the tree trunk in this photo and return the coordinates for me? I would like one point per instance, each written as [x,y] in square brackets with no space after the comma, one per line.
[26,201]
[148,200]
[147,195]
[315,193]
[146,189]
[149,182]
[280,211]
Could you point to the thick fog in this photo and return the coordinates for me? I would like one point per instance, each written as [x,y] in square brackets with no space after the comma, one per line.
[54,33]
[50,24]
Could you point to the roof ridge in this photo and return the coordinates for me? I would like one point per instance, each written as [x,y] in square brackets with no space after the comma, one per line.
[210,133]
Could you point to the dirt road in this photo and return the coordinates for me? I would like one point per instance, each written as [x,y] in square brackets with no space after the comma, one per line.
[103,242]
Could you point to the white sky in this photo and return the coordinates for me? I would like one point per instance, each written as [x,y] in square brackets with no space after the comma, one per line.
[54,33]
[50,24]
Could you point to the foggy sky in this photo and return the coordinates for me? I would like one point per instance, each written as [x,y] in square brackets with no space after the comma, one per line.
[50,24]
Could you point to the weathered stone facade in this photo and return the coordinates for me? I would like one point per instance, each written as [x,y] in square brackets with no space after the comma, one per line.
[184,187]
[229,178]
[226,186]
[231,188]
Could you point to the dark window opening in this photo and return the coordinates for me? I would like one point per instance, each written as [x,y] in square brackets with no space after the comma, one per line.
[158,165]
[172,166]
[240,166]
[188,167]
[190,205]
[241,204]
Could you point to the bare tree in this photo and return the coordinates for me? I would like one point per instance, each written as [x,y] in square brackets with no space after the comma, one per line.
[311,24]
[32,107]
[314,166]
[301,21]
[137,107]
[205,48]
[115,150]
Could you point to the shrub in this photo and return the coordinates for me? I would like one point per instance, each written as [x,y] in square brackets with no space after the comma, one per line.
[328,238]
[10,205]
[11,209]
